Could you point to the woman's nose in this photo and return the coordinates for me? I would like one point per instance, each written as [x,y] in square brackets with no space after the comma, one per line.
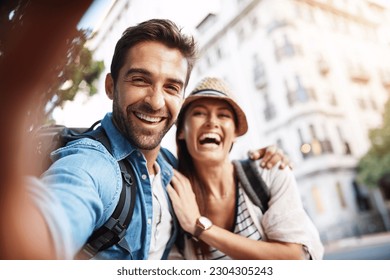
[212,121]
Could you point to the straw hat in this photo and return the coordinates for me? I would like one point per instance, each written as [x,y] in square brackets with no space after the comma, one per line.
[211,87]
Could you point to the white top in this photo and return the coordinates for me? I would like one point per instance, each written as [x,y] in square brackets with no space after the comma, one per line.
[285,220]
[162,219]
[243,226]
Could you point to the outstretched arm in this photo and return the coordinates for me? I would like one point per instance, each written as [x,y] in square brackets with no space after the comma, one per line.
[23,232]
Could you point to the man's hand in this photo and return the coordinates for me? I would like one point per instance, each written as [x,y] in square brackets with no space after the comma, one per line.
[270,156]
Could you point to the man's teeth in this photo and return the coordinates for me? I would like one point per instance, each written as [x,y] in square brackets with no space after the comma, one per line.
[148,118]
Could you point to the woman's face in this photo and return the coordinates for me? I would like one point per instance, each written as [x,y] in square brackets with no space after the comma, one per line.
[209,130]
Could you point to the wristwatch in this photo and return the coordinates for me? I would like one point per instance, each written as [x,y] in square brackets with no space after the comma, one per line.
[202,224]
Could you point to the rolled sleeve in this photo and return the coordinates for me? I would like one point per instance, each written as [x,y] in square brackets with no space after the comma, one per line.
[286,220]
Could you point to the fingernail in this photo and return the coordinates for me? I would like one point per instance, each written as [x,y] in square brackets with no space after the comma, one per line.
[269,165]
[262,164]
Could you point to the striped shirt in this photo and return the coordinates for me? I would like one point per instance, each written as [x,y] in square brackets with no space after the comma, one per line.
[244,226]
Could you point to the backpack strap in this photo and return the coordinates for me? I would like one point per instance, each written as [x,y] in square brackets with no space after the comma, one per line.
[251,180]
[114,229]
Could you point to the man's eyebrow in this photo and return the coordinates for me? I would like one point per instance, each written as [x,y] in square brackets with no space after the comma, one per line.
[137,71]
[148,73]
[176,81]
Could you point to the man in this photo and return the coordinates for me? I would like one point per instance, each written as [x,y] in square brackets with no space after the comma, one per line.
[150,69]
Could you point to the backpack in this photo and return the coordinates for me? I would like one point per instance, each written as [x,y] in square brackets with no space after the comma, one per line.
[49,138]
[252,182]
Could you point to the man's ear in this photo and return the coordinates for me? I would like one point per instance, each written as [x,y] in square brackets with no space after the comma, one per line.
[109,85]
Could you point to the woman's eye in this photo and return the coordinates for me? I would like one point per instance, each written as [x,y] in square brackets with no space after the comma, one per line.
[225,115]
[198,113]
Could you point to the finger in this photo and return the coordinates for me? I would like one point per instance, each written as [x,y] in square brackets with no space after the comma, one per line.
[284,163]
[172,192]
[256,154]
[269,153]
[274,159]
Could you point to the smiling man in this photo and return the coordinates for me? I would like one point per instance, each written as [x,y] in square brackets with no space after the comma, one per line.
[150,69]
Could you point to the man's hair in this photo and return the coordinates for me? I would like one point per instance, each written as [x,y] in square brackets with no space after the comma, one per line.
[154,30]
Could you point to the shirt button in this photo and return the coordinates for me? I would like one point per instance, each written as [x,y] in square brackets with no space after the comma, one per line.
[149,221]
[143,176]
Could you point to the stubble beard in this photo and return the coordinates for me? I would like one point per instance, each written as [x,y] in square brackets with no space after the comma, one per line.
[139,137]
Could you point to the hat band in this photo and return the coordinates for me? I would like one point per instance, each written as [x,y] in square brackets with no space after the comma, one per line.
[210,93]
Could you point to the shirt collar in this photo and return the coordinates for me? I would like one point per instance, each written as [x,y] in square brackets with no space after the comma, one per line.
[121,148]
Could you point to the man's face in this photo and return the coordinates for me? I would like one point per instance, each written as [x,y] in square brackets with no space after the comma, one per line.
[148,94]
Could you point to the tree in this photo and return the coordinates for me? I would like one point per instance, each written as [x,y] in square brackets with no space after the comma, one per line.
[75,71]
[373,166]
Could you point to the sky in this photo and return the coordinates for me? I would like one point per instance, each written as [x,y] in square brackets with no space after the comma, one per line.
[197,10]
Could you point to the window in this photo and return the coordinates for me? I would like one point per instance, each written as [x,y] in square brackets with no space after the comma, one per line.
[340,195]
[259,76]
[317,200]
[346,146]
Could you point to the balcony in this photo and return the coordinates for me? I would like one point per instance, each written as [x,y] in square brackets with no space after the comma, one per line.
[359,74]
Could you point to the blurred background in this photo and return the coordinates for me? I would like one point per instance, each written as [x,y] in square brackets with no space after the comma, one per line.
[313,77]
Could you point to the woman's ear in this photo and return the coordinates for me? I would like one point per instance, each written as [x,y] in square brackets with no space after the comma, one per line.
[180,135]
[109,85]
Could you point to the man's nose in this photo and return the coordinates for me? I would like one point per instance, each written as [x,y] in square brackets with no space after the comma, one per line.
[155,99]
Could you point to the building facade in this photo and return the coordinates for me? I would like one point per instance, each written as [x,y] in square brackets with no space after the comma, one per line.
[313,76]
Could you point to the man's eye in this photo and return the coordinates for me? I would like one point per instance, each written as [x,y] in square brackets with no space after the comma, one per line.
[138,80]
[173,89]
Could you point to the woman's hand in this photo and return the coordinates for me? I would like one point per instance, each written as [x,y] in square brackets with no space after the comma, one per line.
[183,201]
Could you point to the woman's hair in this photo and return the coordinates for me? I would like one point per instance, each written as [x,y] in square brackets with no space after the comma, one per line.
[154,30]
[187,168]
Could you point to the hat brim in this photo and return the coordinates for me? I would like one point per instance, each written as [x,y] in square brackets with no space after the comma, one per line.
[241,125]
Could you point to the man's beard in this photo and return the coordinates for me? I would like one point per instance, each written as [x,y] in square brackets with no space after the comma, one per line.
[141,138]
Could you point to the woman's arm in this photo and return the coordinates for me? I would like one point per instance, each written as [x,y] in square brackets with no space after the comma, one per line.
[240,247]
[233,245]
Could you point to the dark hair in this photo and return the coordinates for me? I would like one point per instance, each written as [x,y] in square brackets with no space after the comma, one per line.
[187,168]
[157,30]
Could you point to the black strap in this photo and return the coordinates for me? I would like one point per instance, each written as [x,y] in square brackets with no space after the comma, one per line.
[252,182]
[114,229]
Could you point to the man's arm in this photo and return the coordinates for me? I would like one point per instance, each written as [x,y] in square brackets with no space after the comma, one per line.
[270,156]
[23,232]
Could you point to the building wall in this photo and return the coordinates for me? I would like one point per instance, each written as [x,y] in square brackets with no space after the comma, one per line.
[309,75]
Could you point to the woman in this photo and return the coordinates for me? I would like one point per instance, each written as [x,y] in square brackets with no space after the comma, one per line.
[209,201]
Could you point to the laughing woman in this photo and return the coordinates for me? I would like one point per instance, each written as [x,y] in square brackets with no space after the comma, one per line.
[209,200]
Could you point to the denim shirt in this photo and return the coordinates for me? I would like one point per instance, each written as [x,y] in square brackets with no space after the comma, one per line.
[79,192]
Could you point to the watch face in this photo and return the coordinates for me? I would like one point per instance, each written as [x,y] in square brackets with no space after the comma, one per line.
[206,223]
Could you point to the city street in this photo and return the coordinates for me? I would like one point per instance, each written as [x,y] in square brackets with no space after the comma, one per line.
[371,247]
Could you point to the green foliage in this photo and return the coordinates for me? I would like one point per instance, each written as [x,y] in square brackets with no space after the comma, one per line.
[77,69]
[77,72]
[376,163]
